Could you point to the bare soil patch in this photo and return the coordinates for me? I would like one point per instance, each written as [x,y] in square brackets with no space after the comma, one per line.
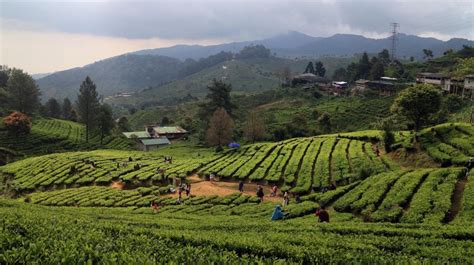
[117,185]
[200,187]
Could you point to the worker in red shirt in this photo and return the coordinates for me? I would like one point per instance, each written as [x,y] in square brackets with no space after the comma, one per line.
[322,214]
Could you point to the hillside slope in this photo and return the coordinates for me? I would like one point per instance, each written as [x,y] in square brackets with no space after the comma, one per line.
[125,73]
[53,135]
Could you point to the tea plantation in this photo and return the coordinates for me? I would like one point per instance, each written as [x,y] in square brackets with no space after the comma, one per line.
[53,135]
[67,207]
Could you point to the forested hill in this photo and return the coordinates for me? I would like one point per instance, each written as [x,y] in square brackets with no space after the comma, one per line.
[125,73]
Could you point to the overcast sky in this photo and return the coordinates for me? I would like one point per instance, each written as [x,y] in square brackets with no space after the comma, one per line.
[45,36]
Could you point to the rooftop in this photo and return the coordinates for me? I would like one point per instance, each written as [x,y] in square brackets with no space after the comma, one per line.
[434,75]
[139,135]
[169,129]
[156,141]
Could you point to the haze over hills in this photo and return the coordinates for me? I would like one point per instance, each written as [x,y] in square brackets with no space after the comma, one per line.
[155,67]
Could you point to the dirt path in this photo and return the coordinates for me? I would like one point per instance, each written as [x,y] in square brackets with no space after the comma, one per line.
[201,187]
[456,200]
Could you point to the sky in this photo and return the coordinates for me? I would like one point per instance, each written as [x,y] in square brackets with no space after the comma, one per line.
[47,36]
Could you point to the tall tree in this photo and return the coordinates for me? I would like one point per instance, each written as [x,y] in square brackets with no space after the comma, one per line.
[419,104]
[221,128]
[319,68]
[67,109]
[309,68]
[123,124]
[384,57]
[377,71]
[340,74]
[88,105]
[23,93]
[218,97]
[105,121]
[254,128]
[364,66]
[53,109]
[427,54]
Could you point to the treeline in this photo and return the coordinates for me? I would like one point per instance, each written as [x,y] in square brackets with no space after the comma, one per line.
[253,51]
[20,99]
[365,68]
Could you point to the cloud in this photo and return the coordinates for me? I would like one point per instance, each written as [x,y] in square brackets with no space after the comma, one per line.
[243,19]
[40,52]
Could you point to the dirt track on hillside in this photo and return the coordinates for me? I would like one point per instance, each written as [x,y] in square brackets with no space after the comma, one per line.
[201,187]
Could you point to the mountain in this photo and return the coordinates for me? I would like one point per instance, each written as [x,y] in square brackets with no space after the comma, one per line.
[282,43]
[125,73]
[348,45]
[296,44]
[39,76]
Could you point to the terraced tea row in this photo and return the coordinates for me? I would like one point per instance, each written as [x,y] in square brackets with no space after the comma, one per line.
[51,135]
[302,164]
[96,167]
[418,196]
[88,235]
[450,143]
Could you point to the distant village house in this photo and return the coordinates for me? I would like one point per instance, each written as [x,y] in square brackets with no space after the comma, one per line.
[463,87]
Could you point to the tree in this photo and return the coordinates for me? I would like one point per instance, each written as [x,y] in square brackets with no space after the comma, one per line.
[377,71]
[325,122]
[464,67]
[67,109]
[23,93]
[386,125]
[309,68]
[319,69]
[428,54]
[218,97]
[419,104]
[123,124]
[53,109]
[17,123]
[165,121]
[340,74]
[364,66]
[221,128]
[105,121]
[88,105]
[254,51]
[384,57]
[74,115]
[254,128]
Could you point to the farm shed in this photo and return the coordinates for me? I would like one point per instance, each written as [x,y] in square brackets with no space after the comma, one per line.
[170,132]
[153,144]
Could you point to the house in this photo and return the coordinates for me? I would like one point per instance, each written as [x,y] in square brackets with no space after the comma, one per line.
[137,135]
[308,78]
[170,132]
[468,86]
[441,80]
[383,87]
[153,143]
[340,84]
[452,85]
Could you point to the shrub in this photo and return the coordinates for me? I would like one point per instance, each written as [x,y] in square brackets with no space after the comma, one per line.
[17,123]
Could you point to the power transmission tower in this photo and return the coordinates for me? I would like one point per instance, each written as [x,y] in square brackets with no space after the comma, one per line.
[394,26]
